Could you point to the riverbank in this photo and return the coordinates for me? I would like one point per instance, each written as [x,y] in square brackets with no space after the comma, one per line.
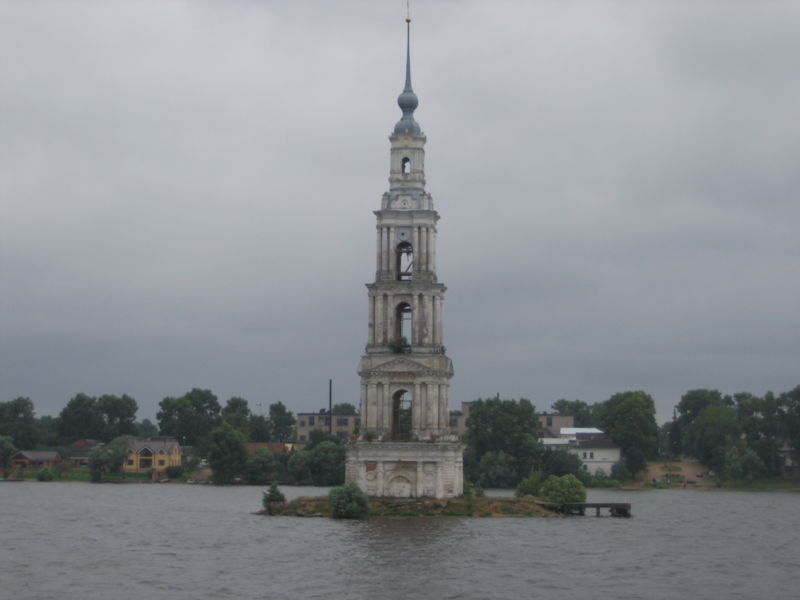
[419,507]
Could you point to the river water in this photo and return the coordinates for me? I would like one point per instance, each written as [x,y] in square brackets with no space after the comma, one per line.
[152,542]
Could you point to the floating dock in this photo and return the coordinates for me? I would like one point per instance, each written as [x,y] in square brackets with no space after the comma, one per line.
[615,509]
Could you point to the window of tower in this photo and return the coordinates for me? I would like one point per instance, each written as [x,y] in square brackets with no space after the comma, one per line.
[405,262]
[405,165]
[402,327]
[401,416]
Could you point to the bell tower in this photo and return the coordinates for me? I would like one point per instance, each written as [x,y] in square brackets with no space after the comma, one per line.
[405,448]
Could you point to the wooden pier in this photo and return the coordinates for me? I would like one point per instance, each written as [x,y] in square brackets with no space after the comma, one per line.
[615,509]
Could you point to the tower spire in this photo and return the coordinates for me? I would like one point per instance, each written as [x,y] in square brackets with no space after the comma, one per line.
[407,100]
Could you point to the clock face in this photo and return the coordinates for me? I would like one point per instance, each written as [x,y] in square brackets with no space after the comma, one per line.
[403,203]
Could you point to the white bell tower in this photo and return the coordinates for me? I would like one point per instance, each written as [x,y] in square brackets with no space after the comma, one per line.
[405,448]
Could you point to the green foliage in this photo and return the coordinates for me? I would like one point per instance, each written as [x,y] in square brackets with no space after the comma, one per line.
[790,402]
[259,428]
[272,496]
[620,472]
[530,485]
[18,421]
[583,414]
[506,426]
[237,412]
[712,431]
[399,345]
[7,450]
[189,418]
[345,408]
[741,463]
[326,464]
[629,419]
[44,474]
[317,436]
[174,472]
[260,467]
[227,453]
[108,458]
[146,428]
[566,488]
[497,470]
[561,462]
[348,502]
[281,422]
[298,466]
[104,418]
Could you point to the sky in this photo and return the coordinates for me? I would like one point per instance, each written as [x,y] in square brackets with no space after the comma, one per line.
[186,195]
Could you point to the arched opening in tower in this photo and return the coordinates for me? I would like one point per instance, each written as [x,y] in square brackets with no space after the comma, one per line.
[402,327]
[401,416]
[405,261]
[405,166]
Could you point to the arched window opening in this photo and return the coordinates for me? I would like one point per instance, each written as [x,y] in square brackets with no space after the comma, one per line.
[401,342]
[405,262]
[401,416]
[405,166]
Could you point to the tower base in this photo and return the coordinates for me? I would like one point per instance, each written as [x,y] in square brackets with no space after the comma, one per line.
[406,469]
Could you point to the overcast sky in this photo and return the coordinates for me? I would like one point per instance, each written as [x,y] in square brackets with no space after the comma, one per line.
[186,193]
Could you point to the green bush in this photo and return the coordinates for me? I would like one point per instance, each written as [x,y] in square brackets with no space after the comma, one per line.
[348,502]
[174,471]
[566,488]
[271,497]
[529,486]
[44,474]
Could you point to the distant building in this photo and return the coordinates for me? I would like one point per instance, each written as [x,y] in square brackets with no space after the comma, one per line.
[77,453]
[279,447]
[35,459]
[595,449]
[342,426]
[152,453]
[550,423]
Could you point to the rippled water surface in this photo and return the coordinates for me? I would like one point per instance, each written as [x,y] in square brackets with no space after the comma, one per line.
[74,540]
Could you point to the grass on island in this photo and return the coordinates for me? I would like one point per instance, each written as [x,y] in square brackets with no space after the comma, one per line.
[421,507]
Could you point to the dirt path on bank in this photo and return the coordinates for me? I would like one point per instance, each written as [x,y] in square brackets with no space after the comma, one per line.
[677,471]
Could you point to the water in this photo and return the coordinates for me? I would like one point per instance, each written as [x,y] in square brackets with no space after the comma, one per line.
[73,540]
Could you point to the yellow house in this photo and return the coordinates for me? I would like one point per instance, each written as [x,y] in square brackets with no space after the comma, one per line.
[153,453]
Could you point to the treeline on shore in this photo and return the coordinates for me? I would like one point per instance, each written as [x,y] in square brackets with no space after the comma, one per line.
[738,436]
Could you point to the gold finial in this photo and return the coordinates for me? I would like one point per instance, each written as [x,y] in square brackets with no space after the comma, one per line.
[408,12]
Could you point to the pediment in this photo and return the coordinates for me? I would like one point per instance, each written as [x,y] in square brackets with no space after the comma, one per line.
[401,365]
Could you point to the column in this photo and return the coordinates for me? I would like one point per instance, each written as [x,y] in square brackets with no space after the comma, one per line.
[416,406]
[432,248]
[420,480]
[435,407]
[423,249]
[444,413]
[363,406]
[378,249]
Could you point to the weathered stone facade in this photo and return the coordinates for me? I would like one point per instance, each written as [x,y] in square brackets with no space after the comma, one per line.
[405,447]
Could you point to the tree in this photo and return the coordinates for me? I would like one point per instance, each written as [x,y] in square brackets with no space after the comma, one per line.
[566,488]
[345,408]
[80,418]
[348,502]
[281,422]
[582,412]
[497,470]
[317,436]
[237,412]
[259,428]
[496,425]
[711,433]
[298,466]
[327,464]
[560,462]
[260,467]
[227,453]
[18,421]
[7,450]
[272,497]
[109,458]
[189,418]
[629,419]
[761,421]
[118,415]
[790,404]
[146,428]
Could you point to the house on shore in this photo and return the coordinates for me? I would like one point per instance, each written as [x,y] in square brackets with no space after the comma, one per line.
[153,453]
[35,459]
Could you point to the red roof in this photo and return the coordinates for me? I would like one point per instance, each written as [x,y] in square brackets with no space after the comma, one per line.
[271,446]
